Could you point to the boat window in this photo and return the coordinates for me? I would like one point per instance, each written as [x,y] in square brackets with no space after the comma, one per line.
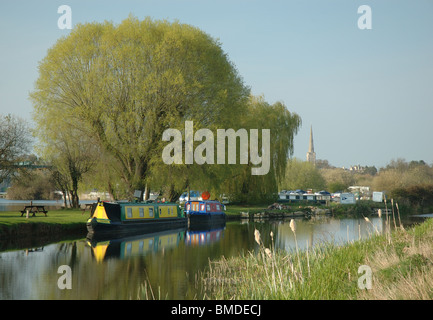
[188,206]
[208,207]
[129,212]
[141,212]
[218,207]
[202,207]
[150,212]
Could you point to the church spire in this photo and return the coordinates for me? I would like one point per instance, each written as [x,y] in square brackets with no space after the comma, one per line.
[311,155]
[311,145]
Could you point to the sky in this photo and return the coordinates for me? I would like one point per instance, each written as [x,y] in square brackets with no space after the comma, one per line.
[367,93]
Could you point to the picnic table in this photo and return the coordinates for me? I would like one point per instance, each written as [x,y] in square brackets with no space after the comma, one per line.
[87,206]
[34,209]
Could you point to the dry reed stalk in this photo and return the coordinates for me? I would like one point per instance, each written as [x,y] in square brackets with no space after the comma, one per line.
[387,223]
[293,227]
[393,216]
[257,236]
[374,227]
[146,283]
[308,261]
[399,220]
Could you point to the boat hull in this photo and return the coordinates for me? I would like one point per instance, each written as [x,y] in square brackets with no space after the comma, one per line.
[205,220]
[128,228]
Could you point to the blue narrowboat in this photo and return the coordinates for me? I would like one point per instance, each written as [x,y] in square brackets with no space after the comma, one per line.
[205,211]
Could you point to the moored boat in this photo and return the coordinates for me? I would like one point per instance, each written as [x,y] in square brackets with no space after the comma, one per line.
[204,211]
[126,218]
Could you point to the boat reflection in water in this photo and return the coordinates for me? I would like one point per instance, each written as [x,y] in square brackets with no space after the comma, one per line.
[196,236]
[145,243]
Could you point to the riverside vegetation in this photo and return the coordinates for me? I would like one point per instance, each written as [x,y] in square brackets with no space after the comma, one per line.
[400,261]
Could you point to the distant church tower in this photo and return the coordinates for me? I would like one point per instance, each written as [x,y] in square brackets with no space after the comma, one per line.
[311,155]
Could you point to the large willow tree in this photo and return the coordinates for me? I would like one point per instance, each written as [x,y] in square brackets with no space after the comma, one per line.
[283,124]
[119,87]
[123,85]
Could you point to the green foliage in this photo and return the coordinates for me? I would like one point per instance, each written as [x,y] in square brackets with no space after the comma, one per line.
[119,87]
[359,209]
[338,179]
[400,174]
[31,184]
[417,197]
[252,189]
[123,85]
[302,175]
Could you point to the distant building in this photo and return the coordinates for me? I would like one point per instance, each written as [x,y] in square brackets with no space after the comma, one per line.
[358,168]
[311,155]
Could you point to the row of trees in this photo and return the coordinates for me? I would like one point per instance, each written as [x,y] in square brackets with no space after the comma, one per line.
[397,175]
[106,93]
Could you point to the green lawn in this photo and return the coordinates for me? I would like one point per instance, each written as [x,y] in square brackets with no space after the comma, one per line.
[10,218]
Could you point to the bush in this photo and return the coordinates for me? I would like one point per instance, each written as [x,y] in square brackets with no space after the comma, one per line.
[31,185]
[419,197]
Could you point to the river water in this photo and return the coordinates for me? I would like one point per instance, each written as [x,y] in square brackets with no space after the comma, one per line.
[165,263]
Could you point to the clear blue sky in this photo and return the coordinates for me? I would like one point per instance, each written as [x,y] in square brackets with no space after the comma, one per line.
[367,93]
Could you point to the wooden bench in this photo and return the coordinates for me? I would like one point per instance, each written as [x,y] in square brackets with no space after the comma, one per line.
[34,209]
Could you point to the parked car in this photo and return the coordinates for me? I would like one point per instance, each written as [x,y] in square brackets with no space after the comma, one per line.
[193,195]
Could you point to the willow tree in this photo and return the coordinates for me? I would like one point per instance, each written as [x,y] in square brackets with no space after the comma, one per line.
[283,126]
[125,84]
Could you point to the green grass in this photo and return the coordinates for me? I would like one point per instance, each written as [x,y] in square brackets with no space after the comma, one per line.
[68,216]
[329,272]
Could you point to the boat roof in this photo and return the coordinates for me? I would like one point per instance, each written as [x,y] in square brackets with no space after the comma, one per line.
[210,201]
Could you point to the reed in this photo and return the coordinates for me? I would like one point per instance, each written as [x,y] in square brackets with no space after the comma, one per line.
[323,272]
[393,216]
[399,220]
[293,228]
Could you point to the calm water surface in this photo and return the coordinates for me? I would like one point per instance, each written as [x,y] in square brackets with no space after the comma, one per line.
[167,261]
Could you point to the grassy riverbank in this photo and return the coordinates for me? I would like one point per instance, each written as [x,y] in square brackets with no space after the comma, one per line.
[18,232]
[401,264]
[64,217]
[360,209]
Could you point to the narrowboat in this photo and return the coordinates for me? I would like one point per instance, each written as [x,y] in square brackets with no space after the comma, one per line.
[119,219]
[204,211]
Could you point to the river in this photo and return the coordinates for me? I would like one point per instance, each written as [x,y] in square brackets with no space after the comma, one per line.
[165,263]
